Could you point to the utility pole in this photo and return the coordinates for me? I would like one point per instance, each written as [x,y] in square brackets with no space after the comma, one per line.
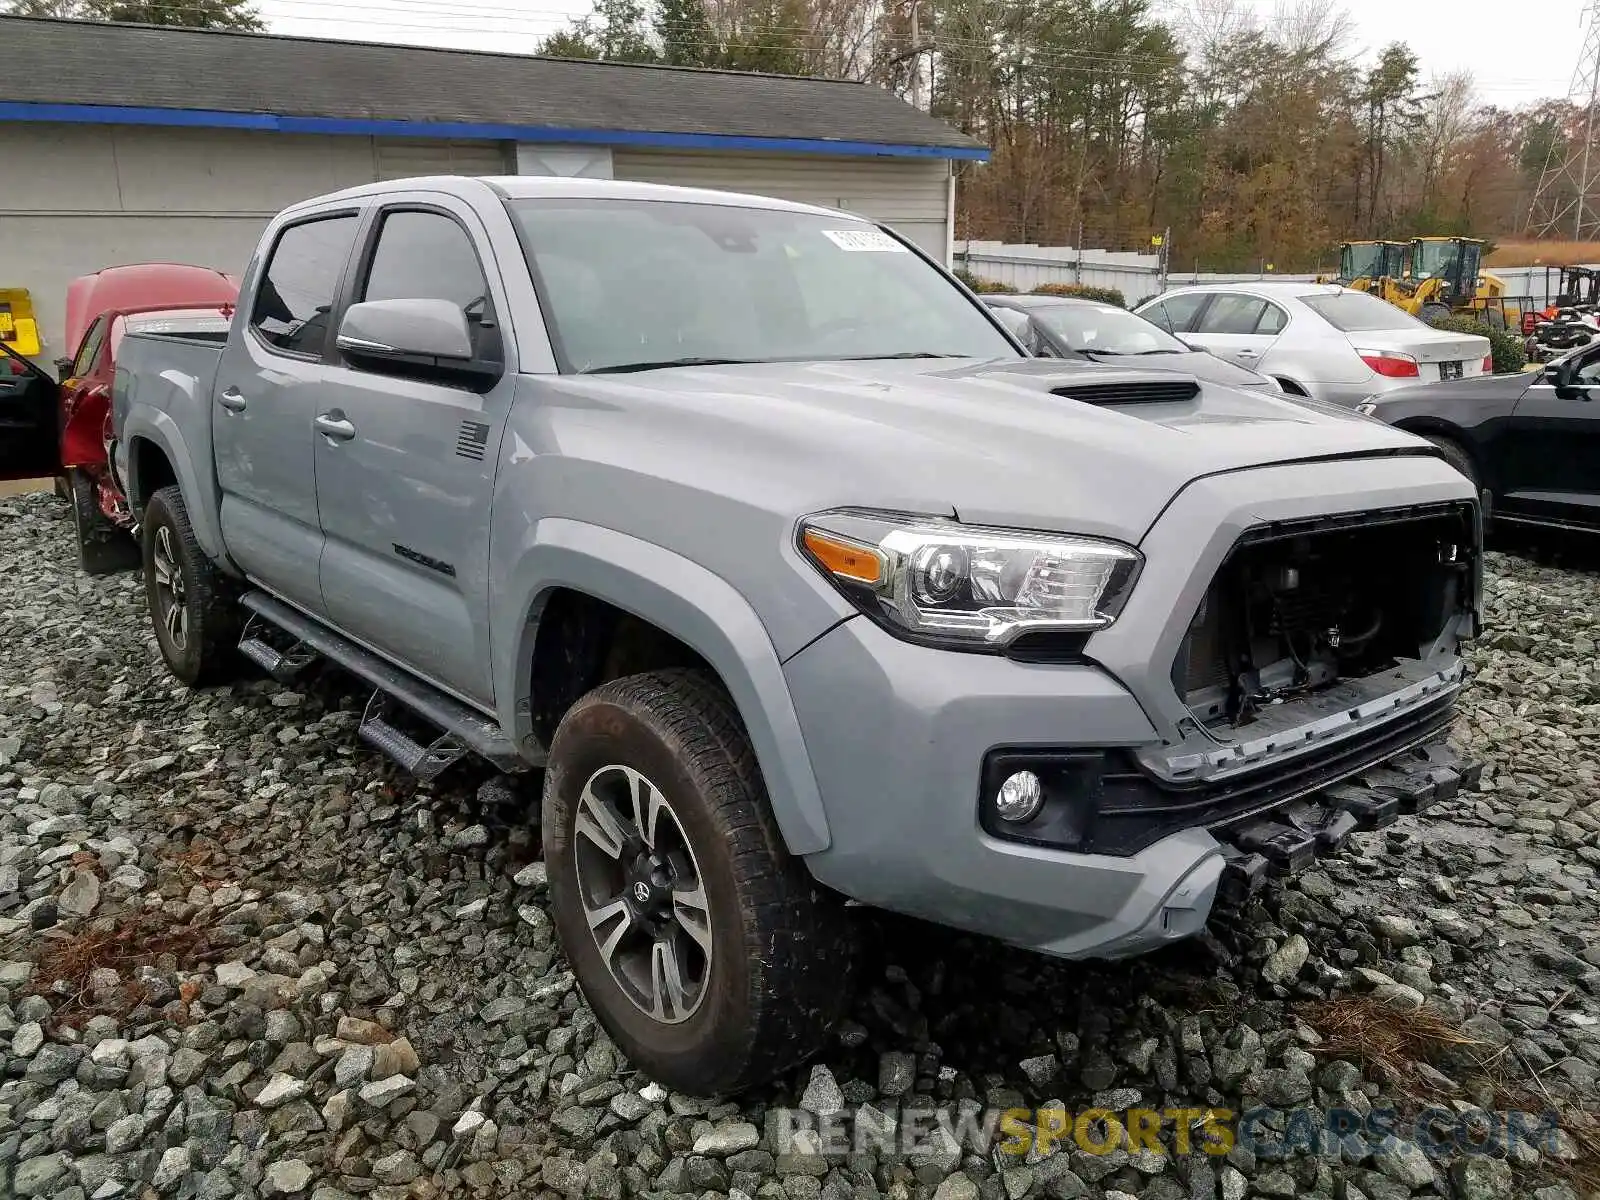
[916,63]
[1568,196]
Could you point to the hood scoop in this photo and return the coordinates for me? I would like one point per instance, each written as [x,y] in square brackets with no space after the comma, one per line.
[1142,391]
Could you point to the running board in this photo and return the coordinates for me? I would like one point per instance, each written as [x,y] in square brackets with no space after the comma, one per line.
[465,729]
[282,665]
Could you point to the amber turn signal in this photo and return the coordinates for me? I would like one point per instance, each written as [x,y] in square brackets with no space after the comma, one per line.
[844,558]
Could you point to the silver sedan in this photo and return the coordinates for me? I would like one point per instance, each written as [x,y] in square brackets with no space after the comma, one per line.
[1319,340]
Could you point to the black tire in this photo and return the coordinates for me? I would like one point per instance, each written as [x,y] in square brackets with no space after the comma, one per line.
[1456,455]
[103,548]
[1433,312]
[778,971]
[196,623]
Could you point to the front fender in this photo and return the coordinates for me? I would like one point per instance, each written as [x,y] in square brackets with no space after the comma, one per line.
[685,600]
[199,488]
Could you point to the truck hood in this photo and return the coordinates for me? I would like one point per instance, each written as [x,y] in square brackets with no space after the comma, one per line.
[997,443]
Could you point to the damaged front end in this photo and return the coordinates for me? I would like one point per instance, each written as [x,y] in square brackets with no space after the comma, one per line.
[1320,672]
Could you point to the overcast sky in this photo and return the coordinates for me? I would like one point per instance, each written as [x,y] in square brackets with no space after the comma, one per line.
[1517,53]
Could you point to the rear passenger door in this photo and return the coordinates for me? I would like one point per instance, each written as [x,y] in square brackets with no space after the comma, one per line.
[404,490]
[1239,327]
[268,387]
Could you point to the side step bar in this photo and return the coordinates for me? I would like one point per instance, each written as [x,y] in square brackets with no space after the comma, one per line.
[465,729]
[1288,839]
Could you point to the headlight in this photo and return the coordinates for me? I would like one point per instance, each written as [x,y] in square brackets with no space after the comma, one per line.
[939,581]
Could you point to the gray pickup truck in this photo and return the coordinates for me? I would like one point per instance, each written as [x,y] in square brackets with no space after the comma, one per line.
[801,583]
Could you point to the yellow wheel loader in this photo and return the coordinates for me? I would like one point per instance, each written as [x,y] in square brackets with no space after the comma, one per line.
[1445,275]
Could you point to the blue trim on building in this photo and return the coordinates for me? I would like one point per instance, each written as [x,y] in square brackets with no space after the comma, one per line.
[106,114]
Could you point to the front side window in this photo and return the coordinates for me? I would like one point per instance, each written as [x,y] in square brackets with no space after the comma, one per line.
[428,256]
[89,348]
[1176,314]
[299,284]
[629,283]
[1104,329]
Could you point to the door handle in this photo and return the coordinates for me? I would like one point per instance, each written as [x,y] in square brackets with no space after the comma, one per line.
[1248,353]
[233,400]
[333,426]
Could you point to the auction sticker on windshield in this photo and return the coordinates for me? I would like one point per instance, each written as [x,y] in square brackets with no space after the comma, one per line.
[863,239]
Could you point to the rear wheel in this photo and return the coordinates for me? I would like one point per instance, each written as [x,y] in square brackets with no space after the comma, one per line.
[707,952]
[103,548]
[192,606]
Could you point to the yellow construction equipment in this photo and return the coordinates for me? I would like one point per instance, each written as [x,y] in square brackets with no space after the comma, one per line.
[18,328]
[1445,275]
[1362,264]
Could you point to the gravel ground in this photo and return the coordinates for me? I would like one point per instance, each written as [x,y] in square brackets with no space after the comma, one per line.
[240,956]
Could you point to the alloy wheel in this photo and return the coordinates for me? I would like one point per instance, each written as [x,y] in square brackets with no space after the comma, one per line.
[171,594]
[642,893]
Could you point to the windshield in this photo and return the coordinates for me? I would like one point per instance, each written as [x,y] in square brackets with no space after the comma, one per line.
[1352,312]
[1105,330]
[1434,258]
[1360,259]
[631,283]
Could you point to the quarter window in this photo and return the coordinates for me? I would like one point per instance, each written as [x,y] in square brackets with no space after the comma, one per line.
[300,281]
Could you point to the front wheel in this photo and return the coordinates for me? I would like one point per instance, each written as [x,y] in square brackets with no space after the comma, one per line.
[103,548]
[707,952]
[192,608]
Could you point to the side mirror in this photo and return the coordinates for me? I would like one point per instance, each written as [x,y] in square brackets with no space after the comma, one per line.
[427,338]
[63,367]
[1017,325]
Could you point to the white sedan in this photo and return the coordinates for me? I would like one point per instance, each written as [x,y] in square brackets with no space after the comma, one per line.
[1318,340]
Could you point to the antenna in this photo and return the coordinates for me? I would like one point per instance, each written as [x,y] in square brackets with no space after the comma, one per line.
[1568,196]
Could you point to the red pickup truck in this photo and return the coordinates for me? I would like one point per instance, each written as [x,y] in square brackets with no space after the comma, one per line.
[64,429]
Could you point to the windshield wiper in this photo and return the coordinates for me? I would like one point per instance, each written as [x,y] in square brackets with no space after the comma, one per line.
[625,368]
[901,354]
[1125,353]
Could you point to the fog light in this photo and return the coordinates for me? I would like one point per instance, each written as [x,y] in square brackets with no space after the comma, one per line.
[1019,797]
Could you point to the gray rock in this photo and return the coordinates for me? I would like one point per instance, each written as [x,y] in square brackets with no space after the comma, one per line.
[729,1139]
[353,1066]
[52,1063]
[1479,1177]
[234,974]
[172,1169]
[1401,931]
[1286,961]
[956,1187]
[1403,1161]
[381,1092]
[822,1095]
[897,1071]
[1041,1071]
[396,1168]
[27,1039]
[286,1177]
[124,1134]
[280,1090]
[38,1176]
[81,895]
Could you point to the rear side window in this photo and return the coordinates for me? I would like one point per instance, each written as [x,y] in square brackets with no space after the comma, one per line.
[299,283]
[1232,312]
[1177,314]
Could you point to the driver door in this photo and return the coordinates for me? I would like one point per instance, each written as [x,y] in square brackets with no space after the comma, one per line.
[30,441]
[1238,327]
[1553,461]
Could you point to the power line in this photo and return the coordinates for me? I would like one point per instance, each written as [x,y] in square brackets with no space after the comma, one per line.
[1568,196]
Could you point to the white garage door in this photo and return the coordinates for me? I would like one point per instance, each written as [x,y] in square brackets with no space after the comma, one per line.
[910,194]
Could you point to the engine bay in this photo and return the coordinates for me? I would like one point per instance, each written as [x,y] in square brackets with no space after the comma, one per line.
[1298,608]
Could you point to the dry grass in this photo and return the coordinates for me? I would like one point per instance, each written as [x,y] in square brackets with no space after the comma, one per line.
[1538,254]
[124,945]
[21,487]
[1390,1044]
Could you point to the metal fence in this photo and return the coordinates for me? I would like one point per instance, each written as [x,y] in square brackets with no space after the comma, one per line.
[1138,276]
